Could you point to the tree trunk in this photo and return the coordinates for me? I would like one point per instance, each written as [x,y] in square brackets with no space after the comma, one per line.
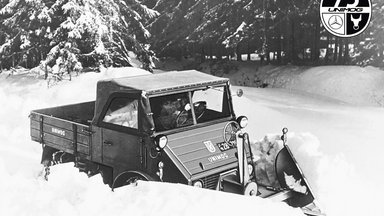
[328,50]
[291,39]
[346,51]
[210,51]
[316,42]
[248,52]
[340,58]
[177,53]
[335,49]
[202,53]
[219,53]
[287,41]
[381,50]
[238,53]
[46,71]
[268,57]
[280,48]
[293,56]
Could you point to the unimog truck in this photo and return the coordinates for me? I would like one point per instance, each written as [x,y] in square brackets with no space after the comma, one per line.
[177,127]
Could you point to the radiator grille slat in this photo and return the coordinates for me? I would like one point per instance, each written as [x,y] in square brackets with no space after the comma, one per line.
[210,182]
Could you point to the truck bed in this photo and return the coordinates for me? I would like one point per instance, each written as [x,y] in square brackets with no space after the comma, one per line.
[66,128]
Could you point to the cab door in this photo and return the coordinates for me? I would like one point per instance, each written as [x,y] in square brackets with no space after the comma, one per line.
[121,149]
[121,140]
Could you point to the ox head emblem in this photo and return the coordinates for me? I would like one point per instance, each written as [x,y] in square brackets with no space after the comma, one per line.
[356,22]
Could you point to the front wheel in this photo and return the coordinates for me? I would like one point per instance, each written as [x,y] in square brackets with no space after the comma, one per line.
[129,178]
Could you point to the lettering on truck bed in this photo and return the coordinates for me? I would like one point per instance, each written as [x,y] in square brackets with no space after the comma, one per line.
[58,131]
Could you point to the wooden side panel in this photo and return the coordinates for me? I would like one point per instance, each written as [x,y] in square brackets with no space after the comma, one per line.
[63,135]
[35,130]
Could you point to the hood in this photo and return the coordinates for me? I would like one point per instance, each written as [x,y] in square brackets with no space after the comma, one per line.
[197,150]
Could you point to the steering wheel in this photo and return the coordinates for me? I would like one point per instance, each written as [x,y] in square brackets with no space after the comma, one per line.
[200,107]
[185,115]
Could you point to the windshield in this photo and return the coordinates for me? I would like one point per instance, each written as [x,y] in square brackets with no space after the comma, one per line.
[175,111]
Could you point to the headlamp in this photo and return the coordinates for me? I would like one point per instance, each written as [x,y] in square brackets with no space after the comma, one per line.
[242,121]
[198,184]
[161,141]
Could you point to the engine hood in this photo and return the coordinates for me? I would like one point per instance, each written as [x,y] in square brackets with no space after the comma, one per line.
[197,150]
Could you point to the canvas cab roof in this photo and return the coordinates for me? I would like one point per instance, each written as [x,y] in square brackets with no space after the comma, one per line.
[152,84]
[163,82]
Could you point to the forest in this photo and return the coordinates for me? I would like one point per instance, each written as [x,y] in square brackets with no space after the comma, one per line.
[71,35]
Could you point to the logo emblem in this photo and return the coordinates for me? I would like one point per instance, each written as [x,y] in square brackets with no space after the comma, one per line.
[335,22]
[345,18]
[211,148]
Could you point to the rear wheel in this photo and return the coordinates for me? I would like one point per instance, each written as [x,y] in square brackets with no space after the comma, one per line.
[107,175]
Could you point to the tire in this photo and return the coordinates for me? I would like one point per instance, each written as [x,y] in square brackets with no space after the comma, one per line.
[129,178]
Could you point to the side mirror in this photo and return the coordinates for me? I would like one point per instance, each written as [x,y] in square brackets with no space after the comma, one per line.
[239,92]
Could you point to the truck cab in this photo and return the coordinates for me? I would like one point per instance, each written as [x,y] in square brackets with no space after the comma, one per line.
[166,127]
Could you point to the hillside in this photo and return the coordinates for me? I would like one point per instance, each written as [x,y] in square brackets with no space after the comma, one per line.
[363,86]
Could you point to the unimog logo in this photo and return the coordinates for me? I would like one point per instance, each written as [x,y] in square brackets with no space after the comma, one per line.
[211,148]
[218,157]
[345,18]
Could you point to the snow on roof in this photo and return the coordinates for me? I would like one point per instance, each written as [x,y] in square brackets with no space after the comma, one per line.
[165,81]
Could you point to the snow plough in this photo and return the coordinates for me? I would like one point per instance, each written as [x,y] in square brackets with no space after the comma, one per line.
[177,127]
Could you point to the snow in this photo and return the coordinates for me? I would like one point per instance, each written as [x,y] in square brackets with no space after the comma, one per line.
[350,84]
[337,144]
[239,29]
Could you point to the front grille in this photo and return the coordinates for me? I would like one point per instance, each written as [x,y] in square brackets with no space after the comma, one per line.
[210,182]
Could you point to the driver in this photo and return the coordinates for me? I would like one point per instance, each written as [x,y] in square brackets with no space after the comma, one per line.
[170,110]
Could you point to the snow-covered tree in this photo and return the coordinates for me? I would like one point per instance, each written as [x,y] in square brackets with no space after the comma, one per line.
[81,33]
[369,46]
[225,27]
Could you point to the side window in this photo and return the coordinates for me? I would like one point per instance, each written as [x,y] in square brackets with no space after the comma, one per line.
[122,111]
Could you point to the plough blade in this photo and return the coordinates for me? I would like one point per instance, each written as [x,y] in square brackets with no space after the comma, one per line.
[291,177]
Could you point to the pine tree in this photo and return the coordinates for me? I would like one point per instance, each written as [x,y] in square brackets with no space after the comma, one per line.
[369,46]
[225,27]
[67,34]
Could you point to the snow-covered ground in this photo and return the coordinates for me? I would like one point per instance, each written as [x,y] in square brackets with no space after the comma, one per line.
[338,145]
[351,84]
